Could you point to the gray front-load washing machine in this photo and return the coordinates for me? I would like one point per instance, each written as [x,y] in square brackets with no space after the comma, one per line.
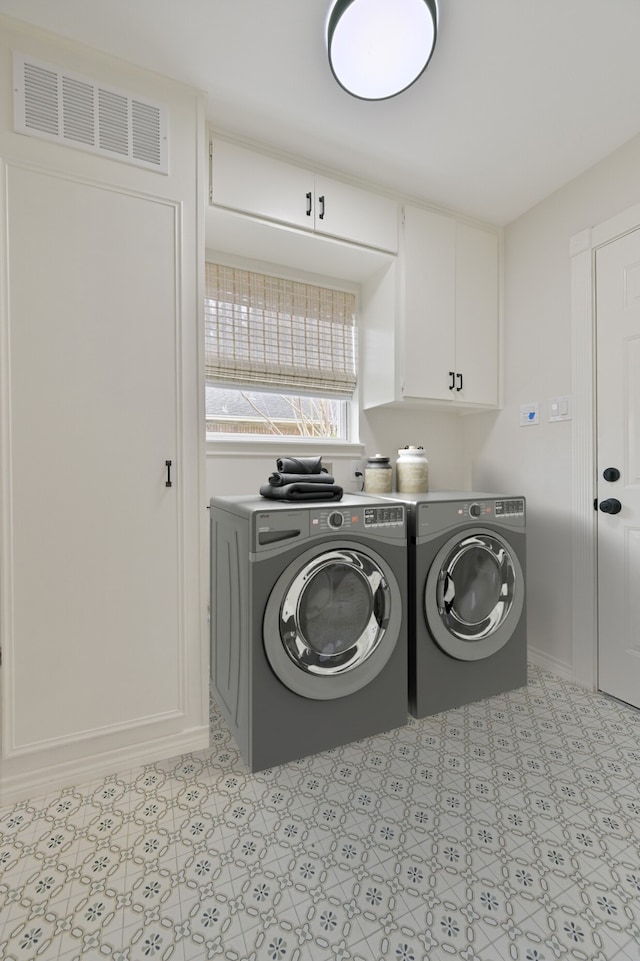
[308,623]
[467,597]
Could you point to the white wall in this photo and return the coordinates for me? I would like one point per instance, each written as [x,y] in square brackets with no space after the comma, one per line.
[242,468]
[491,451]
[382,431]
[385,430]
[536,461]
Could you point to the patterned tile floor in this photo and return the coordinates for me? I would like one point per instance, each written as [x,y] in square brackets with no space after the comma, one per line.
[507,830]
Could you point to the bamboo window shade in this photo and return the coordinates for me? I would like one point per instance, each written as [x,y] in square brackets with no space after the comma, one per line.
[276,333]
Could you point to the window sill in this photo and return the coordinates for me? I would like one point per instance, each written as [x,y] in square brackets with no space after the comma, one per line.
[256,446]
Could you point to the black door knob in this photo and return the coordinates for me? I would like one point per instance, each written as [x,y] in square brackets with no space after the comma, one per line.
[611,474]
[610,506]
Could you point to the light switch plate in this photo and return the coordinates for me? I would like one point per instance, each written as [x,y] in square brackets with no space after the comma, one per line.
[529,414]
[559,408]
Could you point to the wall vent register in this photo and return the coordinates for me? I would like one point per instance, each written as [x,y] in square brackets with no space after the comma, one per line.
[56,105]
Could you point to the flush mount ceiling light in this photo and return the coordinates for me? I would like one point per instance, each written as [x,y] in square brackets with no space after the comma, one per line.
[378,48]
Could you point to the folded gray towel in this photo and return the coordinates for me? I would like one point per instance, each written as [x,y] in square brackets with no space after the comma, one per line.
[278,479]
[299,465]
[303,492]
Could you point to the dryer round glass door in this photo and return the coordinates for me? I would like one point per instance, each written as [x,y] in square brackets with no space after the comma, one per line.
[332,621]
[474,595]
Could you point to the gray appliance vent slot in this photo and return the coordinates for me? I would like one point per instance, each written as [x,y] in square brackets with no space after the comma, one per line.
[60,106]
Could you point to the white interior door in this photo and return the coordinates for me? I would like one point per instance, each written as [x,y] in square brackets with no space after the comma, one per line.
[618,439]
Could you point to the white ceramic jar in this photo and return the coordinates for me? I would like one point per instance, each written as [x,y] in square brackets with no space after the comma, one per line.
[412,471]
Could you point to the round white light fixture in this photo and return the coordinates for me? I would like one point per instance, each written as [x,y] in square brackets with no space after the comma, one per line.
[378,48]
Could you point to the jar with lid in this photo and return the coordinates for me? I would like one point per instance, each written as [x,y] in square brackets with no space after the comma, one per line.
[412,470]
[378,475]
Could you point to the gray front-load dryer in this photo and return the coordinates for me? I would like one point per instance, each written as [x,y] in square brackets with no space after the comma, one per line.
[467,597]
[308,623]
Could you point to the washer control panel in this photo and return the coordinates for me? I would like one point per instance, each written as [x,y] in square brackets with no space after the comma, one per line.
[514,507]
[510,508]
[387,521]
[435,516]
[384,516]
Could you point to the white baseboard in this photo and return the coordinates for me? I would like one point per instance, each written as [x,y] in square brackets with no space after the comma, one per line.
[32,784]
[552,664]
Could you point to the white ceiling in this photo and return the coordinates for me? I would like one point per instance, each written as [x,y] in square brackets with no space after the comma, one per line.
[519,98]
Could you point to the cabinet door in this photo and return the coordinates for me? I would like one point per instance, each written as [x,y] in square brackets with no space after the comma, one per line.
[429,304]
[262,186]
[477,315]
[92,539]
[351,213]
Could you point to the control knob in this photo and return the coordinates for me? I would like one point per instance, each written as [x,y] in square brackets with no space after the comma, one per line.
[475,510]
[336,519]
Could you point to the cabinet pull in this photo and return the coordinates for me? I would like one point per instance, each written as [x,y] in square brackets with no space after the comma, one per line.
[309,204]
[321,200]
[168,466]
[453,380]
[459,376]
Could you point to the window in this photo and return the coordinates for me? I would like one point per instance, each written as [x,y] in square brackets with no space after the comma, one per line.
[280,355]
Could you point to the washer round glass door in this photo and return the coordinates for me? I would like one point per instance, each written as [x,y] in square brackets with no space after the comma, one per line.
[332,621]
[474,595]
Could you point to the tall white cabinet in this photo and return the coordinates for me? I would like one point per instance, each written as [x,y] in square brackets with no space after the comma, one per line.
[103,520]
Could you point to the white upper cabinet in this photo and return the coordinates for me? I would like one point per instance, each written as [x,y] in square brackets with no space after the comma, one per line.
[476,315]
[449,305]
[278,191]
[428,303]
[443,333]
[262,186]
[343,210]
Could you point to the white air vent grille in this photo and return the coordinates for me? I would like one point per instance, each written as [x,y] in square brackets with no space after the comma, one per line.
[40,99]
[60,106]
[78,114]
[146,143]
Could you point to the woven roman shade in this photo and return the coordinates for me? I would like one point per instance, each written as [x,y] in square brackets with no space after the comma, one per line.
[263,331]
